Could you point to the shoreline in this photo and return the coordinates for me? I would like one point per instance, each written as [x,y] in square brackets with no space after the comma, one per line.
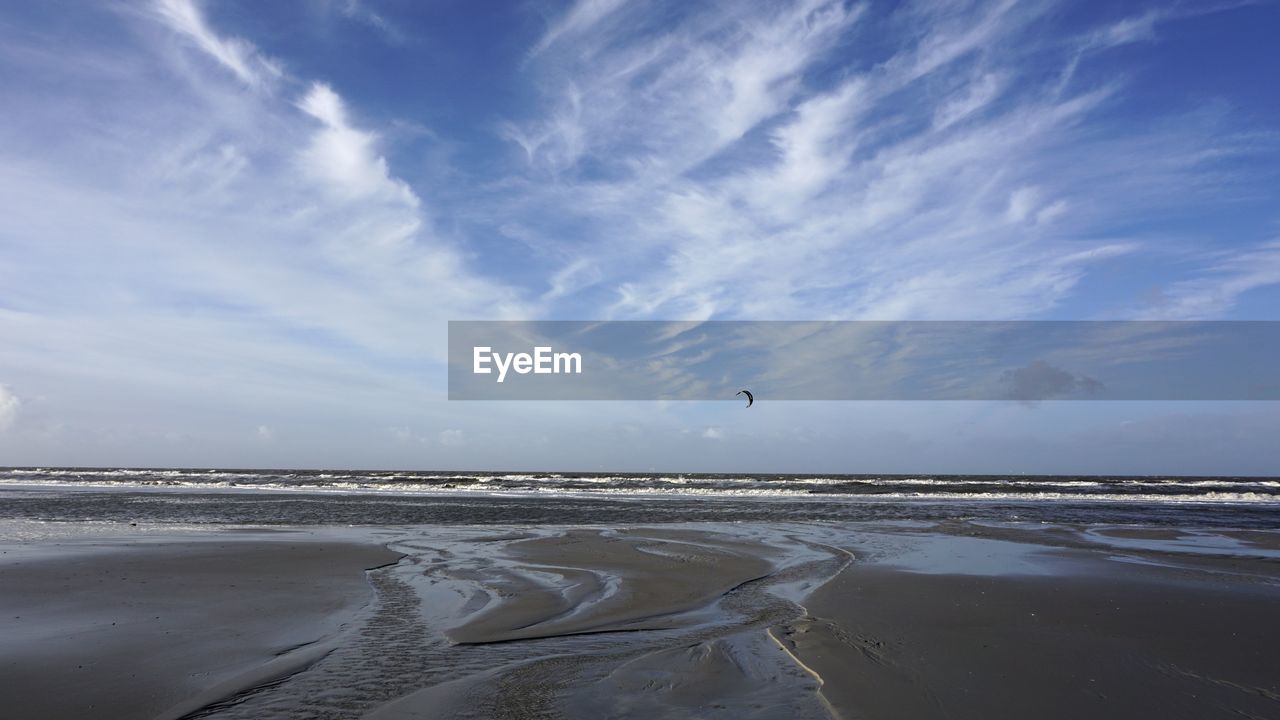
[1247,498]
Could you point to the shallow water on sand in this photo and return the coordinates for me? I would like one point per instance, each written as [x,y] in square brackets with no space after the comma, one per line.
[733,619]
[616,650]
[658,622]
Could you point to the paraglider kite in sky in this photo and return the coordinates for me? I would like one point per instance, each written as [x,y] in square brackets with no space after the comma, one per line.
[750,398]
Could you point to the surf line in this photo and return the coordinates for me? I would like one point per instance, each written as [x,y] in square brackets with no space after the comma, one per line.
[543,361]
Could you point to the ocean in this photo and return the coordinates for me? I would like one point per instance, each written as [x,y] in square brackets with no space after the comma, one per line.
[332,497]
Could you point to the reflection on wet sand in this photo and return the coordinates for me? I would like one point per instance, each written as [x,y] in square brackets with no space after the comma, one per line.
[759,620]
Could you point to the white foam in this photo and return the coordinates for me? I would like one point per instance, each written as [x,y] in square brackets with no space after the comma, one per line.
[710,488]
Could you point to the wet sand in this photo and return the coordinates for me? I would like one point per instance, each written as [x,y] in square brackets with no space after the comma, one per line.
[741,620]
[1100,640]
[613,582]
[139,630]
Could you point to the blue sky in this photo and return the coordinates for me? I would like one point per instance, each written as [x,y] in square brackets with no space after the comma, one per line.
[234,231]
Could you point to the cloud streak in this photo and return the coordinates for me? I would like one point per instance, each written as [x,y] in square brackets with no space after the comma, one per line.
[9,406]
[728,168]
[236,55]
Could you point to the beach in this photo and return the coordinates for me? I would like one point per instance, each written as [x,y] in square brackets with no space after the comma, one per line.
[158,626]
[955,619]
[605,360]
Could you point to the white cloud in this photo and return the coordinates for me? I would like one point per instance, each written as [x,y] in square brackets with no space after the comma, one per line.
[976,95]
[713,433]
[265,434]
[266,249]
[581,17]
[1138,28]
[234,54]
[451,437]
[1021,204]
[1217,289]
[360,12]
[724,181]
[571,278]
[670,101]
[1027,206]
[9,407]
[345,158]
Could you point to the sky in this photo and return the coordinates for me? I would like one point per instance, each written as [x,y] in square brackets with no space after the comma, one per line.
[234,232]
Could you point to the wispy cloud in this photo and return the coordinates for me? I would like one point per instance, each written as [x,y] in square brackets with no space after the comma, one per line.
[9,406]
[344,158]
[582,16]
[257,241]
[361,12]
[666,101]
[726,168]
[1218,287]
[238,56]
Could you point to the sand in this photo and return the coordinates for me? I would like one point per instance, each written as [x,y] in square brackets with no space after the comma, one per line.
[734,621]
[612,582]
[1119,644]
[138,630]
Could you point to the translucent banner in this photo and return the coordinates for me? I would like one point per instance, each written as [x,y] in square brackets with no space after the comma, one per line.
[864,360]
